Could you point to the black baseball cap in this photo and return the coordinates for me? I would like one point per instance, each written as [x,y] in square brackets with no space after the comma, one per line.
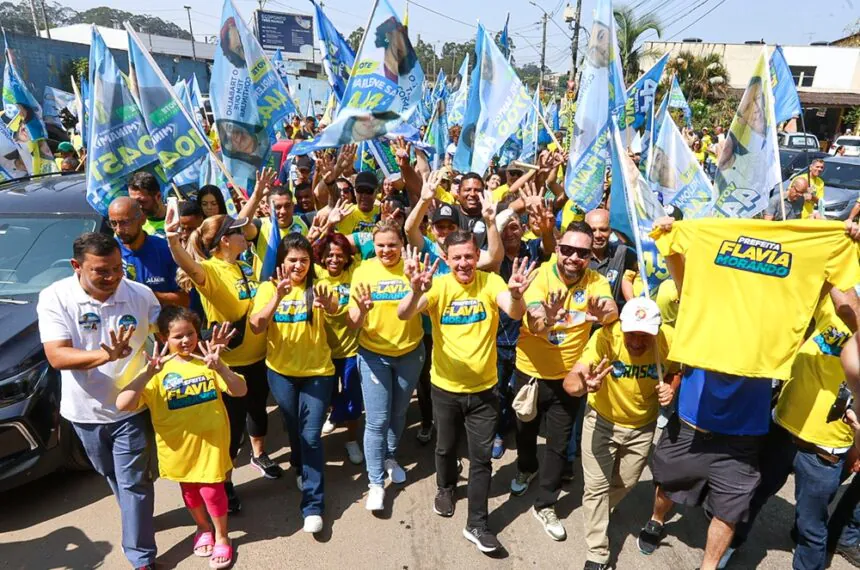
[366,180]
[304,161]
[229,223]
[445,213]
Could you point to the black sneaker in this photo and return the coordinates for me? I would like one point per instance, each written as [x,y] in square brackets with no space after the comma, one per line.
[443,505]
[849,553]
[649,537]
[483,539]
[567,472]
[234,505]
[268,468]
[590,565]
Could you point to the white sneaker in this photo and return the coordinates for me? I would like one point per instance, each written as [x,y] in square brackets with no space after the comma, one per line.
[356,457]
[313,524]
[299,482]
[375,498]
[395,471]
[328,427]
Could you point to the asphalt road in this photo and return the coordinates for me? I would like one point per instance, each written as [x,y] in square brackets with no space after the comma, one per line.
[70,520]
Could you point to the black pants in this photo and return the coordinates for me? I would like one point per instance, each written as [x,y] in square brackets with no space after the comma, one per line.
[560,410]
[478,413]
[250,409]
[425,403]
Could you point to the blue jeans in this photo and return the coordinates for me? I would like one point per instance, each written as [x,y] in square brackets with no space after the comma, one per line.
[844,525]
[303,402]
[815,484]
[387,383]
[346,403]
[121,452]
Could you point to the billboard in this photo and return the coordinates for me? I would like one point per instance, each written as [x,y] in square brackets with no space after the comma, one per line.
[293,34]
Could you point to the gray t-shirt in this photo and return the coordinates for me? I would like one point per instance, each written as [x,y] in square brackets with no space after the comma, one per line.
[793,210]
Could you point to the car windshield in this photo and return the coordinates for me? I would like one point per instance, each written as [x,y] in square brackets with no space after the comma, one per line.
[848,142]
[35,251]
[841,175]
[802,142]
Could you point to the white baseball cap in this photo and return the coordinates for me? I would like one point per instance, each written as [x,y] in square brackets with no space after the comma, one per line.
[641,314]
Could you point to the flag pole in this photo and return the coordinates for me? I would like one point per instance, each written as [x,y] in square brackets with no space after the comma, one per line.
[772,120]
[546,125]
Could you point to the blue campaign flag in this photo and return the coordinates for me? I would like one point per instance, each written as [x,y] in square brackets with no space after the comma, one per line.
[248,98]
[84,121]
[338,56]
[551,115]
[19,102]
[436,134]
[678,101]
[311,110]
[457,99]
[601,94]
[177,139]
[530,126]
[640,95]
[503,38]
[195,95]
[786,102]
[653,120]
[270,258]
[674,173]
[119,143]
[440,89]
[497,103]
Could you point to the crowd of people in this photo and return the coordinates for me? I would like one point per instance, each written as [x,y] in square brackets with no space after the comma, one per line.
[505,308]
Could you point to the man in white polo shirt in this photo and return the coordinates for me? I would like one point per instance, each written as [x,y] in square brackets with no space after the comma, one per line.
[93,326]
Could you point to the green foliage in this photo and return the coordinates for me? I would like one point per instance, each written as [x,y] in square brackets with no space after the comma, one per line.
[851,118]
[529,75]
[630,27]
[354,39]
[80,67]
[700,77]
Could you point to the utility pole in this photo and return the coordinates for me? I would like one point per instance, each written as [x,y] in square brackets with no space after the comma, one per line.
[575,41]
[542,54]
[45,17]
[35,21]
[191,31]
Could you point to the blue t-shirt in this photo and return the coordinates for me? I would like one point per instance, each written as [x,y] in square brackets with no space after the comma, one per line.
[151,265]
[509,329]
[724,403]
[432,249]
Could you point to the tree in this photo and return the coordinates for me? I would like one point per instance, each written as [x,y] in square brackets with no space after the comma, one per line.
[17,17]
[453,54]
[511,46]
[427,57]
[110,17]
[354,39]
[529,74]
[700,77]
[630,28]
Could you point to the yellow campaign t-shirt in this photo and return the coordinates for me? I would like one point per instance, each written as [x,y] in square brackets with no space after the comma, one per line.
[552,356]
[816,188]
[750,287]
[342,340]
[358,221]
[464,320]
[265,235]
[628,396]
[500,192]
[570,213]
[296,344]
[384,333]
[667,300]
[228,297]
[192,432]
[443,195]
[816,375]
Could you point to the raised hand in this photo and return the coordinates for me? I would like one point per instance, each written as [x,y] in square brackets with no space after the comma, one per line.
[531,195]
[340,210]
[118,347]
[281,281]
[431,183]
[171,223]
[420,273]
[595,375]
[544,216]
[402,150]
[522,276]
[222,334]
[488,206]
[266,178]
[155,362]
[325,299]
[389,212]
[362,296]
[554,306]
[346,159]
[327,167]
[210,354]
[598,309]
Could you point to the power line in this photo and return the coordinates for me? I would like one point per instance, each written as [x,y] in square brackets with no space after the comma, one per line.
[717,5]
[446,16]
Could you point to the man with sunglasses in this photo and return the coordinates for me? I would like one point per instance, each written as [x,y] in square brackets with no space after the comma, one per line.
[564,301]
[366,213]
[146,258]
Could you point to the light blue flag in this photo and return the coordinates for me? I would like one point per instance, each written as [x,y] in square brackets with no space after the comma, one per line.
[436,134]
[503,38]
[15,160]
[311,111]
[440,89]
[176,137]
[84,121]
[748,166]
[384,88]
[530,127]
[653,120]
[786,102]
[18,101]
[270,258]
[551,115]
[544,137]
[678,101]
[54,101]
[497,103]
[119,143]
[640,95]
[248,99]
[338,56]
[601,93]
[633,208]
[457,99]
[195,96]
[675,173]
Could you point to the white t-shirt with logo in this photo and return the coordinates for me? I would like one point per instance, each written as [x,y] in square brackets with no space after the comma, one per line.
[67,312]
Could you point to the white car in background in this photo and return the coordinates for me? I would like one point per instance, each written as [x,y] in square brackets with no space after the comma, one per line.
[851,144]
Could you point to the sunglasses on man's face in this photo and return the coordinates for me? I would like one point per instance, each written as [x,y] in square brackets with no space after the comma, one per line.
[569,250]
[365,190]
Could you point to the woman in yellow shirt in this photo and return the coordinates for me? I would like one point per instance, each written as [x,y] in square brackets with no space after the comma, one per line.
[335,272]
[290,311]
[227,287]
[184,392]
[698,152]
[390,356]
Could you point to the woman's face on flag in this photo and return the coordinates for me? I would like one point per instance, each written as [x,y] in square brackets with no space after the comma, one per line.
[752,109]
[242,141]
[598,46]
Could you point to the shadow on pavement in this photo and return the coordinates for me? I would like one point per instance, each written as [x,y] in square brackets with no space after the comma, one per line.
[66,547]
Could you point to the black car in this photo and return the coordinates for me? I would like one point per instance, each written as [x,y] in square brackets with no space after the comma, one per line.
[792,161]
[39,219]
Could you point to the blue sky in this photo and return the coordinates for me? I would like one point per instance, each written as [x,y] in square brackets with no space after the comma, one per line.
[776,21]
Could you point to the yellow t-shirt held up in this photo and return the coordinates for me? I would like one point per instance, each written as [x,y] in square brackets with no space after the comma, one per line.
[464,320]
[192,432]
[228,297]
[296,344]
[382,332]
[628,396]
[342,340]
[551,356]
[750,288]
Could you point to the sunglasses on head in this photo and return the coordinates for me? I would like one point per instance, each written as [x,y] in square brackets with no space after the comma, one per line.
[569,250]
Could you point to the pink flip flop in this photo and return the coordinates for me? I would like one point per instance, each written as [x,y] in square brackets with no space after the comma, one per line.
[202,539]
[221,551]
